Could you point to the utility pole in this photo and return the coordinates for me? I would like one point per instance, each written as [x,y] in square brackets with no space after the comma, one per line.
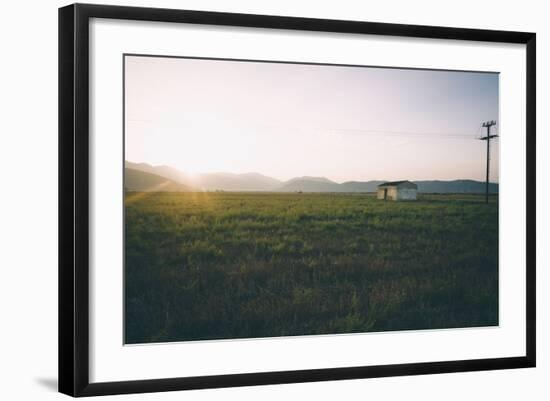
[488,125]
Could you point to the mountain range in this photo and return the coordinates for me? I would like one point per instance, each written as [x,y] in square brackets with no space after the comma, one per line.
[145,177]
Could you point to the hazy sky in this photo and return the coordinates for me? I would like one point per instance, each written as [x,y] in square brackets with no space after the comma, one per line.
[288,120]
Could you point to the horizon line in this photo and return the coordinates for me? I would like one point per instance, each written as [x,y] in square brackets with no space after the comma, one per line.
[308,176]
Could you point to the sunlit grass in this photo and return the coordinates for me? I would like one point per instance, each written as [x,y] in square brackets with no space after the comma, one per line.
[233,265]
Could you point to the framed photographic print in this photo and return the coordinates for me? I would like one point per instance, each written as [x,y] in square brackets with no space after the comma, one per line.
[250,199]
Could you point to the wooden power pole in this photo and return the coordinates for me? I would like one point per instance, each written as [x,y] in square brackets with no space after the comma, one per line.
[488,137]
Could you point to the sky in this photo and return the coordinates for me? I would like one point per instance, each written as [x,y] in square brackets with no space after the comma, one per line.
[290,120]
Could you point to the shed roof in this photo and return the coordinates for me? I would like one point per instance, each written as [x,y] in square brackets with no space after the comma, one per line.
[404,183]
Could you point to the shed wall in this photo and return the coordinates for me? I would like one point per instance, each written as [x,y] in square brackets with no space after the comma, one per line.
[406,194]
[397,193]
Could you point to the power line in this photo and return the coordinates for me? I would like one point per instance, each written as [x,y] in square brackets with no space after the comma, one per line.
[410,133]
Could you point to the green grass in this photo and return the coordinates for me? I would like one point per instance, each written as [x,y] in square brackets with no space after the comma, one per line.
[234,265]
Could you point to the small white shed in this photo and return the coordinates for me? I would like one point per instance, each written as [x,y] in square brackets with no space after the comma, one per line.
[397,190]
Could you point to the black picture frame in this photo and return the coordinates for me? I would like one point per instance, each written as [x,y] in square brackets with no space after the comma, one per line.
[74,200]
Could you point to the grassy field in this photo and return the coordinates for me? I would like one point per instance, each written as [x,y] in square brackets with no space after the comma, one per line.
[234,265]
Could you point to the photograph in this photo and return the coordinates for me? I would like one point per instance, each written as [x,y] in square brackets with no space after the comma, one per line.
[279,198]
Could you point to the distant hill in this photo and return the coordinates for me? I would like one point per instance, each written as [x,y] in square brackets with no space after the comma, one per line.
[174,179]
[361,186]
[236,182]
[455,186]
[135,180]
[164,171]
[211,181]
[309,184]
